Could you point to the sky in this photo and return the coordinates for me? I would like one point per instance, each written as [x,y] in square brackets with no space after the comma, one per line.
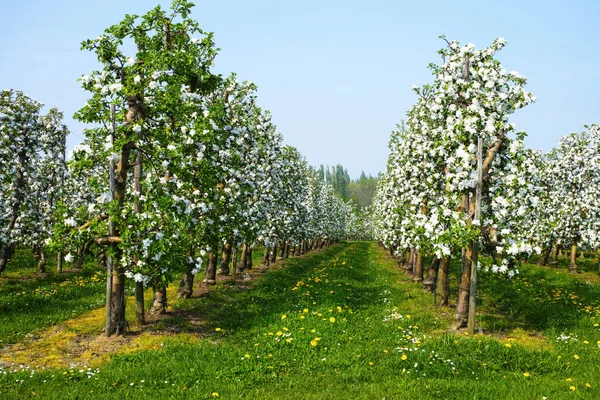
[336,74]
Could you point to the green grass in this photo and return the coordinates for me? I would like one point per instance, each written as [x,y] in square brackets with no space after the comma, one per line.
[387,340]
[29,302]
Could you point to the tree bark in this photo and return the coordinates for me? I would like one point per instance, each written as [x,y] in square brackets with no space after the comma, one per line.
[282,249]
[243,256]
[418,266]
[41,266]
[159,305]
[211,269]
[249,264]
[59,262]
[573,263]
[544,257]
[554,259]
[266,258]
[462,308]
[430,283]
[297,252]
[287,249]
[225,259]
[118,323]
[234,259]
[444,281]
[274,254]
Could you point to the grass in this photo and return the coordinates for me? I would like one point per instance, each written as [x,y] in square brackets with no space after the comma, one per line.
[346,323]
[29,302]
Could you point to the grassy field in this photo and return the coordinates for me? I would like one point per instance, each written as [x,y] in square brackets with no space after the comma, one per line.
[346,323]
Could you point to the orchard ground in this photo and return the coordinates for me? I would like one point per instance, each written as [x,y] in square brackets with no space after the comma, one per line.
[341,323]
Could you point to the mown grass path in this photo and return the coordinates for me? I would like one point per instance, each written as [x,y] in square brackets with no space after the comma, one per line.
[343,323]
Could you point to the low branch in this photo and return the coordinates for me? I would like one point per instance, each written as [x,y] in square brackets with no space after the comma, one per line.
[99,218]
[490,155]
[109,240]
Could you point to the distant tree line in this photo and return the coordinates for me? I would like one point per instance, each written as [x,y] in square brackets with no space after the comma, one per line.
[360,191]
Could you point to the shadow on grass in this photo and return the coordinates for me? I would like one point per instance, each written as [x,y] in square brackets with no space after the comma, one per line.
[538,298]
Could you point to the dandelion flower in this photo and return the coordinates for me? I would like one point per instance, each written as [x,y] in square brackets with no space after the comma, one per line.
[218,330]
[246,355]
[587,385]
[283,316]
[215,394]
[404,357]
[332,320]
[576,357]
[313,343]
[526,374]
[573,388]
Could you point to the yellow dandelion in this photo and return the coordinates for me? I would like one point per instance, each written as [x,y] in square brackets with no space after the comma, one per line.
[288,340]
[573,388]
[302,317]
[586,342]
[218,330]
[339,309]
[283,316]
[507,345]
[215,394]
[305,310]
[246,355]
[332,320]
[313,343]
[370,364]
[587,385]
[407,316]
[576,357]
[404,357]
[526,374]
[279,333]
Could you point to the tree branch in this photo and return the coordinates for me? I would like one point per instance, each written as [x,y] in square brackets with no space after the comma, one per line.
[109,240]
[99,218]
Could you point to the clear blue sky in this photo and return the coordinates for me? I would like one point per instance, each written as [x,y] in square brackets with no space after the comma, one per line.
[335,74]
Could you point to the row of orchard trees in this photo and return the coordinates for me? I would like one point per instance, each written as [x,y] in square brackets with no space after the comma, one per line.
[427,200]
[32,155]
[181,165]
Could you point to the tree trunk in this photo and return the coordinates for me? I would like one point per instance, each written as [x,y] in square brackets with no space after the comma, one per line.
[234,259]
[297,253]
[78,262]
[430,283]
[462,308]
[211,269]
[140,314]
[554,259]
[274,254]
[118,323]
[282,249]
[243,256]
[186,286]
[266,259]
[249,264]
[287,249]
[137,187]
[159,305]
[544,257]
[225,259]
[418,267]
[573,263]
[59,262]
[41,266]
[444,281]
